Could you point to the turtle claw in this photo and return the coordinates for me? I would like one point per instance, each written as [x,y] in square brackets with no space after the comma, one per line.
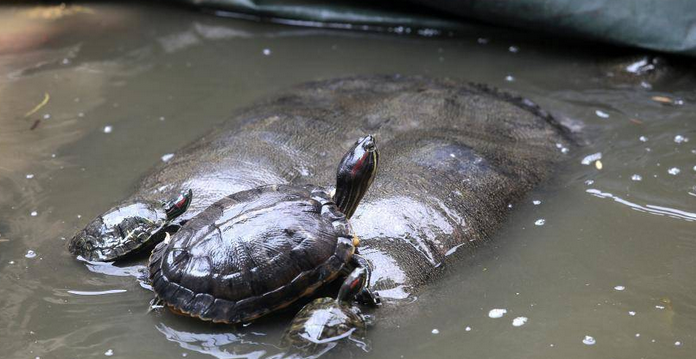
[368,297]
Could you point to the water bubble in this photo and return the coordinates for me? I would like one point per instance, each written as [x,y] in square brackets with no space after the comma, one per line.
[108,129]
[680,139]
[497,313]
[540,222]
[30,254]
[619,288]
[519,321]
[643,139]
[509,78]
[468,329]
[601,114]
[637,335]
[636,177]
[435,331]
[34,213]
[536,202]
[109,353]
[589,340]
[674,171]
[167,157]
[266,52]
[677,343]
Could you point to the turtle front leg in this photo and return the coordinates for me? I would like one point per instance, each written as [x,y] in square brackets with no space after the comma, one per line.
[365,296]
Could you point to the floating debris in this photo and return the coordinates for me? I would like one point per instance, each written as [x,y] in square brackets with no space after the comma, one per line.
[598,164]
[673,171]
[591,158]
[468,329]
[677,344]
[39,106]
[167,157]
[108,129]
[519,321]
[631,313]
[589,182]
[109,352]
[497,313]
[536,202]
[589,340]
[435,331]
[680,139]
[100,292]
[601,114]
[34,213]
[540,222]
[30,254]
[30,175]
[636,177]
[619,288]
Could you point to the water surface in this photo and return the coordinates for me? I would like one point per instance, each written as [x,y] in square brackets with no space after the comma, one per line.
[599,262]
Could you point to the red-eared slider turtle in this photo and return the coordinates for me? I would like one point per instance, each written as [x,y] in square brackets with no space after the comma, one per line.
[259,250]
[128,228]
[326,321]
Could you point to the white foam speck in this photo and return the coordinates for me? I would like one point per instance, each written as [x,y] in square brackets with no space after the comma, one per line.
[109,353]
[167,157]
[677,344]
[637,335]
[674,171]
[30,176]
[34,213]
[514,49]
[536,202]
[619,288]
[468,329]
[266,52]
[435,331]
[643,139]
[519,321]
[540,222]
[497,313]
[680,139]
[659,307]
[589,340]
[589,182]
[601,114]
[632,313]
[108,129]
[636,177]
[30,254]
[591,158]
[509,78]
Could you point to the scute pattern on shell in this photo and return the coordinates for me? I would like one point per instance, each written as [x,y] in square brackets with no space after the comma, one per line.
[121,230]
[251,253]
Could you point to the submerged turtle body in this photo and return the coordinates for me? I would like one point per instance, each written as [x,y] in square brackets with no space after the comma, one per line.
[253,252]
[127,228]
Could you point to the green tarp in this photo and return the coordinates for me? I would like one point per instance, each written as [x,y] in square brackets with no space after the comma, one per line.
[661,25]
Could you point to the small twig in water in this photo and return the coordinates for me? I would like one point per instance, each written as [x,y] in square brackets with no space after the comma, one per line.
[39,106]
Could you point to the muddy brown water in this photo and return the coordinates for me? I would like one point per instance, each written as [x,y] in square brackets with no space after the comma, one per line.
[600,262]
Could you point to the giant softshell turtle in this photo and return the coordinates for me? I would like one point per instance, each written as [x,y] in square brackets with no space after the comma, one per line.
[454,156]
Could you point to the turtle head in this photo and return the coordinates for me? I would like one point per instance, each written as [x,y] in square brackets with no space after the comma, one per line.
[355,174]
[178,206]
[352,285]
